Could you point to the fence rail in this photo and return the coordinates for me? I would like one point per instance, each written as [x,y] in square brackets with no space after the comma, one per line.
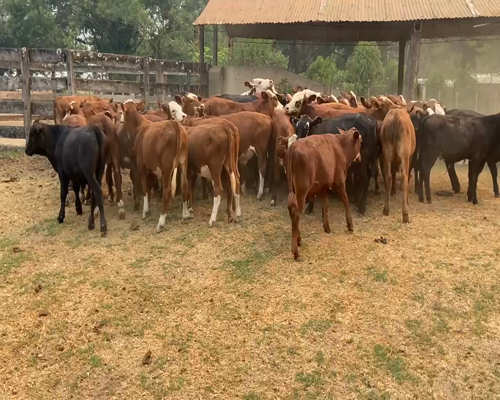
[72,72]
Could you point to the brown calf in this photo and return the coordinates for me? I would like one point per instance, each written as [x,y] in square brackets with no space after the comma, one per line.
[282,128]
[397,138]
[255,132]
[74,117]
[314,165]
[212,154]
[191,104]
[160,148]
[61,103]
[89,108]
[217,106]
[105,123]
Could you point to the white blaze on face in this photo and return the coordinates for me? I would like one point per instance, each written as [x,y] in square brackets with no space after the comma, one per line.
[261,85]
[402,100]
[430,111]
[438,109]
[192,96]
[295,103]
[176,111]
[129,101]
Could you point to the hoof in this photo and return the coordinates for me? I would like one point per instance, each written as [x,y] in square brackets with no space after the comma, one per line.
[237,219]
[350,229]
[66,202]
[60,220]
[362,210]
[79,211]
[386,212]
[328,230]
[121,214]
[230,219]
[111,202]
[497,195]
[273,203]
[136,207]
[406,219]
[295,255]
[104,231]
[91,226]
[211,223]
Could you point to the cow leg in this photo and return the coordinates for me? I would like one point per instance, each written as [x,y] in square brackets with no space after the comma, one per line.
[168,180]
[64,183]
[136,188]
[310,207]
[204,188]
[184,190]
[117,175]
[96,199]
[476,169]
[294,209]
[364,183]
[375,176]
[262,173]
[494,172]
[276,179]
[386,165]
[455,183]
[217,194]
[226,184]
[146,191]
[324,203]
[78,202]
[191,183]
[109,183]
[405,172]
[340,186]
[394,170]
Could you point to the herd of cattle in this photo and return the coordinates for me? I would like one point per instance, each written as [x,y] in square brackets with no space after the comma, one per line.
[321,143]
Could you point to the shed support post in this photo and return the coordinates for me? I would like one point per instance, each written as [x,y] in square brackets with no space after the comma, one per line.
[202,44]
[215,47]
[413,60]
[26,85]
[159,88]
[401,65]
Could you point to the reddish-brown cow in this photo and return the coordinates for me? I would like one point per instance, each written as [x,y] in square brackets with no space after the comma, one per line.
[74,117]
[161,148]
[397,138]
[217,106]
[89,108]
[313,166]
[61,103]
[212,151]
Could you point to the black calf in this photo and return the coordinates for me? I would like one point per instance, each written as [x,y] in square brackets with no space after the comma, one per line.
[76,154]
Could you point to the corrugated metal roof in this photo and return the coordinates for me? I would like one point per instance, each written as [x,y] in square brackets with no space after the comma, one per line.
[233,12]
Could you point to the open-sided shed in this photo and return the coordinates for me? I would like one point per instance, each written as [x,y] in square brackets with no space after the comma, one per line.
[355,20]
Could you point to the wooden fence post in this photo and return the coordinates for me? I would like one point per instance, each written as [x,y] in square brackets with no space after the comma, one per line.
[26,83]
[146,81]
[159,79]
[71,73]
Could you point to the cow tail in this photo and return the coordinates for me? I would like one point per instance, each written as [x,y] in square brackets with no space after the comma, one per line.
[173,183]
[292,198]
[232,154]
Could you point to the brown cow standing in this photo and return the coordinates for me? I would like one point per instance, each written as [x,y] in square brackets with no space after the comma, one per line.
[191,104]
[397,138]
[61,103]
[74,117]
[212,151]
[314,165]
[161,148]
[105,122]
[255,131]
[217,106]
[89,108]
[282,128]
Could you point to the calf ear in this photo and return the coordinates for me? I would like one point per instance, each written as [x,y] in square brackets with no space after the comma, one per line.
[309,99]
[375,102]
[248,84]
[289,98]
[178,99]
[294,120]
[264,96]
[356,135]
[108,114]
[341,131]
[365,103]
[320,100]
[110,101]
[282,141]
[316,121]
[199,99]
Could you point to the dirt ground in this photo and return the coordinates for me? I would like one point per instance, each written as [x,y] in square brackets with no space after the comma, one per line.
[227,314]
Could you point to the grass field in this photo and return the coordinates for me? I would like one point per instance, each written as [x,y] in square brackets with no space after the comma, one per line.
[227,314]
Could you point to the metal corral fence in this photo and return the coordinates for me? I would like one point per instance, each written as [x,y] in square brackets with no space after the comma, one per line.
[56,72]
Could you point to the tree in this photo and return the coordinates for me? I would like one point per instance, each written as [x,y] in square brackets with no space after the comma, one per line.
[323,70]
[364,67]
[257,53]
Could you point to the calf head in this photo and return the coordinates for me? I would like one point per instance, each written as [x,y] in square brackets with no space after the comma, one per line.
[380,107]
[72,108]
[299,101]
[258,85]
[351,144]
[191,104]
[39,141]
[175,111]
[304,124]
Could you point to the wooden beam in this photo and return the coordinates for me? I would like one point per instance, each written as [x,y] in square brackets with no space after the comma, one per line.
[49,56]
[71,73]
[146,81]
[25,76]
[94,85]
[215,46]
[401,65]
[17,107]
[37,84]
[202,44]
[159,80]
[12,132]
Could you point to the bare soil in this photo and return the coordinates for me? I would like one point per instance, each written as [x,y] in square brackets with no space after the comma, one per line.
[227,314]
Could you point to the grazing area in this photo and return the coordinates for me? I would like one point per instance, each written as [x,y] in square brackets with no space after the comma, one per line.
[392,311]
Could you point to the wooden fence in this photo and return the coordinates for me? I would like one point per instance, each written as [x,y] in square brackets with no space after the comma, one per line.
[43,74]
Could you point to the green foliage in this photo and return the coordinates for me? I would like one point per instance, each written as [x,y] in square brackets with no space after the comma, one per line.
[323,70]
[257,53]
[364,67]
